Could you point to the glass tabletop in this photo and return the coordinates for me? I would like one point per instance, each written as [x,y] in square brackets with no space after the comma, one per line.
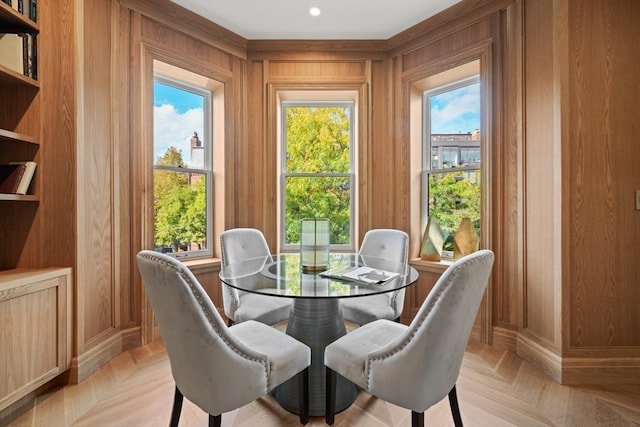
[353,275]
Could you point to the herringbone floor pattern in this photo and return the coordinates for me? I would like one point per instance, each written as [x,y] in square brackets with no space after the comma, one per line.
[495,388]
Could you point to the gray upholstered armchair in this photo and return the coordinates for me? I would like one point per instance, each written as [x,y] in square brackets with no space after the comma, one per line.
[216,367]
[415,366]
[384,246]
[239,244]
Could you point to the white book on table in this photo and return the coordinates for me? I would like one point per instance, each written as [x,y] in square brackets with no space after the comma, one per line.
[366,275]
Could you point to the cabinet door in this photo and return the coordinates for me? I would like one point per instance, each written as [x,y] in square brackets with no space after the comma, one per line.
[35,306]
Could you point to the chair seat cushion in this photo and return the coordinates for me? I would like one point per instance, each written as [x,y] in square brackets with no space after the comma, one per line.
[363,310]
[264,309]
[286,355]
[348,355]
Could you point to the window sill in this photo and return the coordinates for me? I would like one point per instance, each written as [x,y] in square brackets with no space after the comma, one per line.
[433,266]
[201,265]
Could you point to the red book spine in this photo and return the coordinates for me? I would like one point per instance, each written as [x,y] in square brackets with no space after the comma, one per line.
[11,174]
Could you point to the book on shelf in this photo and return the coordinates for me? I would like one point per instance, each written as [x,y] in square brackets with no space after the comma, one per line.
[15,178]
[33,12]
[29,55]
[365,275]
[19,6]
[19,53]
[12,51]
[10,176]
[11,3]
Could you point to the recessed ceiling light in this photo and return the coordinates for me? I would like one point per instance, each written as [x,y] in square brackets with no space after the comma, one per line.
[314,11]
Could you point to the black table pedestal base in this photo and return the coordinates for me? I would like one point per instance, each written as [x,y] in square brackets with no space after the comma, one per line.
[317,322]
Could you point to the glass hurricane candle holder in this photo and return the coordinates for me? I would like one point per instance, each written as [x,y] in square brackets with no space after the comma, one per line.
[314,244]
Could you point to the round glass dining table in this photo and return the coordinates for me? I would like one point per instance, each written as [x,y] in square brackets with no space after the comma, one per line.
[316,318]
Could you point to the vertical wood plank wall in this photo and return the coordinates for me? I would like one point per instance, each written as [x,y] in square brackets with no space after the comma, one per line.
[564,228]
[599,121]
[97,296]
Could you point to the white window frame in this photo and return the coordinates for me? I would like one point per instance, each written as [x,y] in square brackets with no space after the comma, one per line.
[285,174]
[207,167]
[427,168]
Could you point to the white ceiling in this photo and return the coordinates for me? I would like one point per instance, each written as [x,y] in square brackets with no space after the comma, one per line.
[339,20]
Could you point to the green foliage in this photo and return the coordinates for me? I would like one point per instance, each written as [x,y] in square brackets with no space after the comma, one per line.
[179,206]
[453,196]
[318,141]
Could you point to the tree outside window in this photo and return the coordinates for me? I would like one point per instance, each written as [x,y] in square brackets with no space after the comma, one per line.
[317,168]
[182,168]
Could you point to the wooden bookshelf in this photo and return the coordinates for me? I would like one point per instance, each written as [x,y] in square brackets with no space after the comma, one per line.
[14,21]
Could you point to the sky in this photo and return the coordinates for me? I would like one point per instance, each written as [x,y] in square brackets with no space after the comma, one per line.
[456,111]
[178,113]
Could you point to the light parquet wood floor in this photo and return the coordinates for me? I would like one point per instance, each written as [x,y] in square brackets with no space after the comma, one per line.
[495,388]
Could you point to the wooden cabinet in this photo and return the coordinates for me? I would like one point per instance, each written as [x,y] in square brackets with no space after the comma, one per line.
[35,329]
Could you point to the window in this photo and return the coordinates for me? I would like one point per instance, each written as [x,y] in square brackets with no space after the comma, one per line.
[182,167]
[317,179]
[451,156]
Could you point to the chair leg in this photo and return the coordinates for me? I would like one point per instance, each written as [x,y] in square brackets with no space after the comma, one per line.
[303,396]
[455,408]
[177,408]
[215,420]
[417,419]
[330,396]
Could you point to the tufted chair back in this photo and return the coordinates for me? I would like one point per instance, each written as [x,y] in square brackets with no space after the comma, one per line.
[239,244]
[392,245]
[421,365]
[209,365]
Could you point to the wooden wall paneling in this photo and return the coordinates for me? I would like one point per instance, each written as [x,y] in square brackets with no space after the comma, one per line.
[541,209]
[148,39]
[97,306]
[507,199]
[229,124]
[129,25]
[270,151]
[602,158]
[181,20]
[249,184]
[125,269]
[195,50]
[449,45]
[94,271]
[386,158]
[321,50]
[316,71]
[451,20]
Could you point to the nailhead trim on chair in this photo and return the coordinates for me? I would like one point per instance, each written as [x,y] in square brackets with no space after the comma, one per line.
[419,323]
[196,293]
[234,301]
